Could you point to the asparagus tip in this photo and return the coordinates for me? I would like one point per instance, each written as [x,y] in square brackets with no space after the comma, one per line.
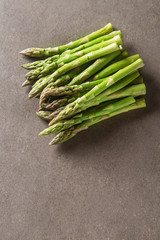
[23,52]
[53,142]
[44,132]
[26,83]
[27,51]
[23,84]
[30,96]
[51,122]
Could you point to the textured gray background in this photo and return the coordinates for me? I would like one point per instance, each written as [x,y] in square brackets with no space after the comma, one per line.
[104,183]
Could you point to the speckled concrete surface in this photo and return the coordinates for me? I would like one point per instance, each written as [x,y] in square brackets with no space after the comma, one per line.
[105,183]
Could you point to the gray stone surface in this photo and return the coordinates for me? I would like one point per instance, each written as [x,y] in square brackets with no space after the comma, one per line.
[105,183]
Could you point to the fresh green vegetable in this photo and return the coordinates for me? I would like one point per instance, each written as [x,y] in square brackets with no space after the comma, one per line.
[71,132]
[47,52]
[100,110]
[80,104]
[69,66]
[84,82]
[40,63]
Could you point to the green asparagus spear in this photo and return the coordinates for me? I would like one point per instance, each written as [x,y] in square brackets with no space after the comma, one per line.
[41,71]
[69,66]
[95,41]
[99,64]
[70,57]
[74,89]
[97,111]
[115,67]
[84,59]
[92,69]
[55,113]
[40,63]
[38,81]
[45,115]
[50,90]
[135,91]
[38,95]
[66,77]
[27,83]
[62,80]
[71,132]
[112,93]
[96,66]
[80,104]
[46,52]
[137,80]
[57,103]
[60,102]
[71,74]
[66,100]
[67,90]
[124,54]
[46,69]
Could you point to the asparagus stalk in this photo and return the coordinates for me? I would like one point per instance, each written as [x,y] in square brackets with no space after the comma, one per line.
[66,100]
[135,91]
[80,104]
[46,52]
[70,57]
[57,103]
[95,41]
[71,132]
[75,89]
[45,115]
[100,110]
[63,79]
[67,90]
[38,95]
[67,77]
[106,95]
[55,113]
[50,90]
[41,71]
[115,67]
[69,66]
[113,93]
[27,83]
[84,59]
[71,74]
[40,63]
[124,54]
[137,80]
[39,81]
[46,69]
[95,67]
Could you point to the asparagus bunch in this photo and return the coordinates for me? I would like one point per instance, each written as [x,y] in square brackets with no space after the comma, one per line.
[84,82]
[72,131]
